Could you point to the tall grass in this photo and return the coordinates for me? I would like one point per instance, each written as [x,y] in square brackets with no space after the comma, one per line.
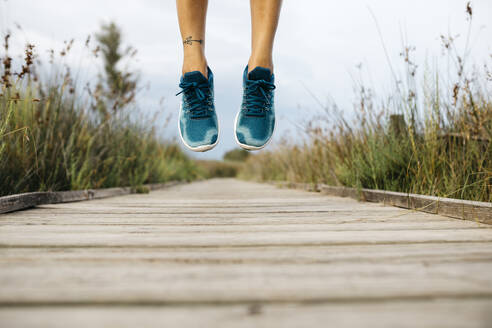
[431,135]
[52,136]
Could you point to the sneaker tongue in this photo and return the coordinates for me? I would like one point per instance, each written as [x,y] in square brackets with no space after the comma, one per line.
[260,73]
[195,76]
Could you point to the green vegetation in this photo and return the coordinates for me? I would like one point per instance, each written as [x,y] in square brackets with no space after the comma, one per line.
[218,169]
[57,136]
[428,137]
[229,167]
[237,155]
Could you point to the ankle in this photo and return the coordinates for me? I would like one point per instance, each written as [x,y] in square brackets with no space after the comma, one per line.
[195,63]
[266,62]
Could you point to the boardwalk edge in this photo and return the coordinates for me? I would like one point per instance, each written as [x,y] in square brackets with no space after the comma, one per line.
[454,208]
[23,201]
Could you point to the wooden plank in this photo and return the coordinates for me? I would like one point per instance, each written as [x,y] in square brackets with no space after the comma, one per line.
[455,208]
[339,191]
[334,218]
[28,200]
[22,201]
[163,239]
[404,253]
[397,314]
[279,226]
[181,283]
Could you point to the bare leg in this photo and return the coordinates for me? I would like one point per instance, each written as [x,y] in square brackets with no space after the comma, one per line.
[264,21]
[192,15]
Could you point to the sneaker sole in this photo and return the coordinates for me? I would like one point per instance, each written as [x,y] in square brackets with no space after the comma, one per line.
[249,147]
[198,149]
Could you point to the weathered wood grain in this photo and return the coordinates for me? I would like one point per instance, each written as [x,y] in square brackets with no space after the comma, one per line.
[224,227]
[396,314]
[22,201]
[455,208]
[178,283]
[437,252]
[27,200]
[227,253]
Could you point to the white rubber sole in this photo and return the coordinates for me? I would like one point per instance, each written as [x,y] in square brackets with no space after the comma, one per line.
[249,147]
[199,149]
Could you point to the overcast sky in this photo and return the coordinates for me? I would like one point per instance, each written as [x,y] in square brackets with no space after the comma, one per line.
[319,43]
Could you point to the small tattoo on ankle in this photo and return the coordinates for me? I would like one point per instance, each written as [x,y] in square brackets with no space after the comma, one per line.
[189,41]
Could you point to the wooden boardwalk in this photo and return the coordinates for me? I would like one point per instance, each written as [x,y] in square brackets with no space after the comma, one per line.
[227,253]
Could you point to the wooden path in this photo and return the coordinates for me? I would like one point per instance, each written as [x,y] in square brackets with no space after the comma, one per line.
[227,253]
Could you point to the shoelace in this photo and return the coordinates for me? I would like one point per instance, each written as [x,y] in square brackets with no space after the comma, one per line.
[198,97]
[257,97]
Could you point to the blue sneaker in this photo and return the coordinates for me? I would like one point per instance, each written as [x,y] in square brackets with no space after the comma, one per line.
[255,121]
[198,126]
